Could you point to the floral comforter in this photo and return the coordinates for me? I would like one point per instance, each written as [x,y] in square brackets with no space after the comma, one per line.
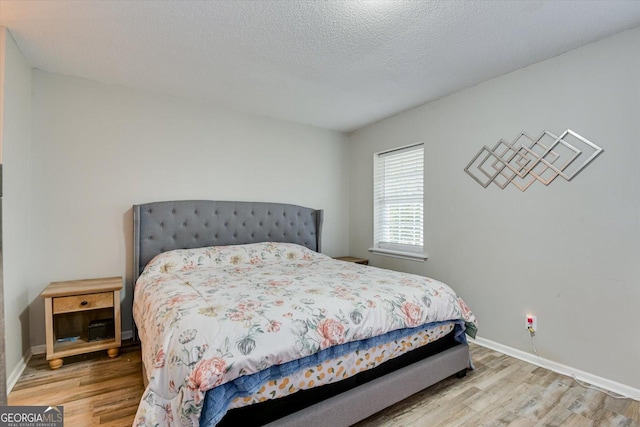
[212,316]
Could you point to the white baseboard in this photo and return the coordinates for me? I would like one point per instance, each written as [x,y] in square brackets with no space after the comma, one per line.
[16,372]
[600,382]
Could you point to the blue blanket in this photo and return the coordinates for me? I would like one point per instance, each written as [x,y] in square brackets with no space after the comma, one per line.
[218,399]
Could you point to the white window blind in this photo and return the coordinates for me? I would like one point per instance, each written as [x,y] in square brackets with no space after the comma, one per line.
[398,202]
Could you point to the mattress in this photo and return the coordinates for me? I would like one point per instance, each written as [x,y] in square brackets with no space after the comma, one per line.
[275,399]
[228,321]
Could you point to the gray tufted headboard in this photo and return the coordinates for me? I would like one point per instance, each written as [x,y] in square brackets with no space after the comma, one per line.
[163,226]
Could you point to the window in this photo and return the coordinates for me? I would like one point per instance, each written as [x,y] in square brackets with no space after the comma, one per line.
[398,182]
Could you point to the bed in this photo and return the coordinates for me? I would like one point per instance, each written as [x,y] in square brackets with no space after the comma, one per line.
[242,320]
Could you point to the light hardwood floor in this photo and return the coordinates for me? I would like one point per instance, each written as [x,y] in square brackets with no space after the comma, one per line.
[502,391]
[94,389]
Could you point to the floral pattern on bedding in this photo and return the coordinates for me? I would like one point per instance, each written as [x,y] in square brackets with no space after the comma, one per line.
[210,315]
[343,367]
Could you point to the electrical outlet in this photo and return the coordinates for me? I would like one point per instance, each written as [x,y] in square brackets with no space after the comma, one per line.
[531,323]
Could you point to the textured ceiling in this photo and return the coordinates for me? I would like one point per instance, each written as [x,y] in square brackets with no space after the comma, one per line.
[334,64]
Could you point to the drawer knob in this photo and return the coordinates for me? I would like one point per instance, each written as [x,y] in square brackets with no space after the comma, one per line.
[84,303]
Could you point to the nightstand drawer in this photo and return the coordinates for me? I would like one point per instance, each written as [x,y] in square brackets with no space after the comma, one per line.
[82,302]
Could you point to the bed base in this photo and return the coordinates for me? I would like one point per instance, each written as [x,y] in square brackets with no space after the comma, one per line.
[363,401]
[355,405]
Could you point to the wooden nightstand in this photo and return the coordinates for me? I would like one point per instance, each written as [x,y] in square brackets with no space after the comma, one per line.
[353,259]
[71,306]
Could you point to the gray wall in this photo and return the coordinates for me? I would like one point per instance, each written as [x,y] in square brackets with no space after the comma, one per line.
[16,135]
[98,149]
[569,252]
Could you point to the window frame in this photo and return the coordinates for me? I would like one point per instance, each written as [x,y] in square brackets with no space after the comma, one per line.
[394,249]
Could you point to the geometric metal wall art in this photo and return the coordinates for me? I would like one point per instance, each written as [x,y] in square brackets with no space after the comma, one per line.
[527,160]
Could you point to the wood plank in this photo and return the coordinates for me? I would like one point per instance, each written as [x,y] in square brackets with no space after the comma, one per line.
[502,391]
[506,410]
[633,410]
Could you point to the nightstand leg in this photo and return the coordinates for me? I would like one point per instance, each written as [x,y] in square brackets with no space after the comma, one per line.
[55,363]
[113,352]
